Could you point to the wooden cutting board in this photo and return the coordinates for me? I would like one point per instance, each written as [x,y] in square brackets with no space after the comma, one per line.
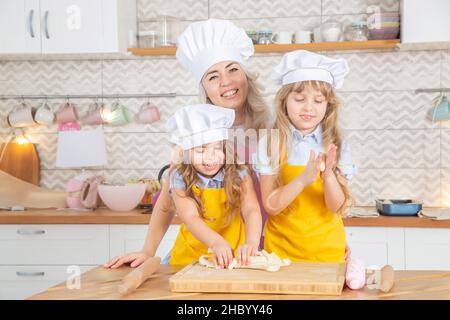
[298,278]
[21,161]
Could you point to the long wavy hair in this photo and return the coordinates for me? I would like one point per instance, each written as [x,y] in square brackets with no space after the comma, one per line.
[232,182]
[330,130]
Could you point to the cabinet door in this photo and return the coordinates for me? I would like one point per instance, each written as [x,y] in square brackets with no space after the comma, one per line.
[21,282]
[427,249]
[20,26]
[72,26]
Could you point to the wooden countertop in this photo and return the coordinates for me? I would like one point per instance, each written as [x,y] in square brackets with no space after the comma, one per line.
[106,216]
[101,283]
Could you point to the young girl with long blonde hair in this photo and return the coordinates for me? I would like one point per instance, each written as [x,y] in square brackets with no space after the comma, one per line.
[210,190]
[304,165]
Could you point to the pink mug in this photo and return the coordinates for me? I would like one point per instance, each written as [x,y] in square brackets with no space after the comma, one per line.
[95,115]
[67,113]
[148,113]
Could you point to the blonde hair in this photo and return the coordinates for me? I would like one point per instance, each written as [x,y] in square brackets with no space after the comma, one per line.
[232,183]
[330,130]
[257,115]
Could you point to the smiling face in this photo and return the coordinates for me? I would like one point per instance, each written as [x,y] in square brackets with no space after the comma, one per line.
[209,158]
[306,109]
[226,85]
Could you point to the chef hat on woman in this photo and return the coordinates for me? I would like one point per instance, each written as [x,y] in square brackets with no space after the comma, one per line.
[302,65]
[206,43]
[199,124]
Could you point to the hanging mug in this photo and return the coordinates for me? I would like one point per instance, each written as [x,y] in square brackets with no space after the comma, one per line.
[441,111]
[44,114]
[67,113]
[117,114]
[95,114]
[23,117]
[148,113]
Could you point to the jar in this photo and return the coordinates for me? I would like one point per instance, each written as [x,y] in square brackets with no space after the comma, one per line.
[252,35]
[357,31]
[265,36]
[169,30]
[331,30]
[148,39]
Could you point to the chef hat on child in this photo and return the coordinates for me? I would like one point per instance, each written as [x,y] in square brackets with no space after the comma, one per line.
[206,43]
[199,124]
[302,65]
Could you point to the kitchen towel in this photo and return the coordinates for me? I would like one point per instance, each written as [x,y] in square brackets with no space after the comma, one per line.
[435,213]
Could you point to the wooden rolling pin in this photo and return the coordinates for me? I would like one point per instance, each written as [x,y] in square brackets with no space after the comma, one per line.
[136,277]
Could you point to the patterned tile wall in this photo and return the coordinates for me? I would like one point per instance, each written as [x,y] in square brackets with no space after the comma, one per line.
[398,151]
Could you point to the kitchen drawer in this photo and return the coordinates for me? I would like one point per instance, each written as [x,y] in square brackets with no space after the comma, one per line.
[131,238]
[427,249]
[20,282]
[377,245]
[54,244]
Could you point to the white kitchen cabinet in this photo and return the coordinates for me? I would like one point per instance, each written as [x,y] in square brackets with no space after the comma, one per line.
[425,21]
[53,244]
[427,249]
[130,238]
[67,26]
[377,245]
[20,28]
[20,282]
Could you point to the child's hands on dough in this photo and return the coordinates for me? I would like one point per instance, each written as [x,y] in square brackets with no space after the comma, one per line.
[223,253]
[244,252]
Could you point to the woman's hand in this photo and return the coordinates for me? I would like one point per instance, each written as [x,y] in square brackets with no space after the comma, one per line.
[309,175]
[223,254]
[330,161]
[244,253]
[135,259]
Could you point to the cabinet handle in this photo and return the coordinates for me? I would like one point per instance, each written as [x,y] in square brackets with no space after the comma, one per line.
[47,35]
[29,274]
[30,23]
[29,232]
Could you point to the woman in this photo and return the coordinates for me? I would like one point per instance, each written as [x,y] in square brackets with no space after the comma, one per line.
[213,51]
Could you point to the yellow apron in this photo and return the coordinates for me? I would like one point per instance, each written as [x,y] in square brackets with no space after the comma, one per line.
[188,249]
[306,230]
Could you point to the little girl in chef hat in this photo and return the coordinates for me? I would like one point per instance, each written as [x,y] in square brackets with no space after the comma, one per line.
[304,170]
[210,190]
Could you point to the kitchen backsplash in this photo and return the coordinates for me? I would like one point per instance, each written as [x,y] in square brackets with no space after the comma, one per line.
[399,153]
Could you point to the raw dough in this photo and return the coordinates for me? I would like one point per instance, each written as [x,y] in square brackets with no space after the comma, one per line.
[263,260]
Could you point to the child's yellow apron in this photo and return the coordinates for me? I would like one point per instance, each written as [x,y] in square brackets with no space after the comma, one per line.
[306,230]
[188,249]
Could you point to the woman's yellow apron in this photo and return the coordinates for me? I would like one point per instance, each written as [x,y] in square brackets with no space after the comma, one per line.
[188,249]
[306,230]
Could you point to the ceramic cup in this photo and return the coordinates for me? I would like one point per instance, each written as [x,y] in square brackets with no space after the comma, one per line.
[303,36]
[282,37]
[67,113]
[95,114]
[117,114]
[148,113]
[44,114]
[317,35]
[23,117]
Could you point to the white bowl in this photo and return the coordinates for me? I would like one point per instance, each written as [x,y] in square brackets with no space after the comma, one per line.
[122,198]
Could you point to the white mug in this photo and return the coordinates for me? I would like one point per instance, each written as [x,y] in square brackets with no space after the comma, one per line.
[44,115]
[23,117]
[317,35]
[283,37]
[303,36]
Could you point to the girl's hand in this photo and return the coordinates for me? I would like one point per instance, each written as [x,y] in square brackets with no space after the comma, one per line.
[309,175]
[347,253]
[135,259]
[223,254]
[244,253]
[330,161]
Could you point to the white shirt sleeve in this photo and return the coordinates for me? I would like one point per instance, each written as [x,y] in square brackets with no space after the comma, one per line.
[346,164]
[261,161]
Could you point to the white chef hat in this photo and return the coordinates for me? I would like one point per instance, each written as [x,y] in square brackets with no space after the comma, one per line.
[206,43]
[302,65]
[198,124]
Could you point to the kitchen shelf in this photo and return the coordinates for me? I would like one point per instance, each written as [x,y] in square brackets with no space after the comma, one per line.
[269,48]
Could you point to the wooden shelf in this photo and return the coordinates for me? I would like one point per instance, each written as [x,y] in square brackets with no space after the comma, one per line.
[269,48]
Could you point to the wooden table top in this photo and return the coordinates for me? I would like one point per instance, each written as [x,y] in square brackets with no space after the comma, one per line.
[138,216]
[101,283]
